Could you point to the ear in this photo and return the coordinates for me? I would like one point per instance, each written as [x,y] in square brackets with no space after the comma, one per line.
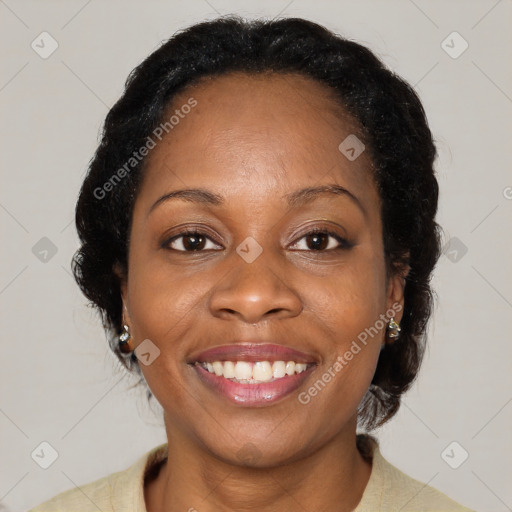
[123,284]
[395,291]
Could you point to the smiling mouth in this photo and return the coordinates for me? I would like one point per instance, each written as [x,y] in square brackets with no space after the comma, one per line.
[258,372]
[251,374]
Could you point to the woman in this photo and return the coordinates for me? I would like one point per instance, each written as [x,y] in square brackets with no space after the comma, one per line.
[258,232]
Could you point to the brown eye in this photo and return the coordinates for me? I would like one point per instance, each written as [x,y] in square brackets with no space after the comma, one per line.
[321,241]
[190,241]
[317,241]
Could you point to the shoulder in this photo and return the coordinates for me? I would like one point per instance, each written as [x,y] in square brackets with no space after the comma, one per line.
[413,495]
[123,490]
[389,489]
[90,497]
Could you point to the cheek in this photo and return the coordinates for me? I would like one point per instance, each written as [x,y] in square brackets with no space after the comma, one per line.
[350,299]
[349,320]
[162,301]
[347,307]
[165,307]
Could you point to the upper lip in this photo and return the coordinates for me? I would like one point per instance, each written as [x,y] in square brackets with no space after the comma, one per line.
[252,352]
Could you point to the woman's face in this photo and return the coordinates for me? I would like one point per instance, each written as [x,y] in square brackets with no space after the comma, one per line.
[255,273]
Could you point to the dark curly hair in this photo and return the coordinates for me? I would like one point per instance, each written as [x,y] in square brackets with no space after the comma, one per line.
[393,127]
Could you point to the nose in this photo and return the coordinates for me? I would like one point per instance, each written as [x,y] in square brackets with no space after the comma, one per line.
[254,292]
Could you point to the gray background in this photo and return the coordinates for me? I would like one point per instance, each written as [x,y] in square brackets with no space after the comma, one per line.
[60,384]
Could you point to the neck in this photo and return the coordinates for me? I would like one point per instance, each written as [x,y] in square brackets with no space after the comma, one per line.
[331,478]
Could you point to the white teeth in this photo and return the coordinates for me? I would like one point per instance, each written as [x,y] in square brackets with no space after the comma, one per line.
[262,371]
[243,370]
[229,370]
[279,369]
[300,367]
[217,368]
[259,371]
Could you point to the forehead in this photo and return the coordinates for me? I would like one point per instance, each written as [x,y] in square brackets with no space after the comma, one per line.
[256,138]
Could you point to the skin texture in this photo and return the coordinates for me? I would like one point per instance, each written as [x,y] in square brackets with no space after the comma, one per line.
[252,140]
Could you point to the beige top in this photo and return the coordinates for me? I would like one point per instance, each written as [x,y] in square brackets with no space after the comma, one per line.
[388,490]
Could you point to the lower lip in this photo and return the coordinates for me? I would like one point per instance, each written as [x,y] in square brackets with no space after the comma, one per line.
[253,394]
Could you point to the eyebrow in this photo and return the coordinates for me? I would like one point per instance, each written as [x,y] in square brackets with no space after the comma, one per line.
[307,195]
[294,199]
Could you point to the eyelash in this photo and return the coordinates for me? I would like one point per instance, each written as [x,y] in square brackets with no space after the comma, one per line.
[343,243]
